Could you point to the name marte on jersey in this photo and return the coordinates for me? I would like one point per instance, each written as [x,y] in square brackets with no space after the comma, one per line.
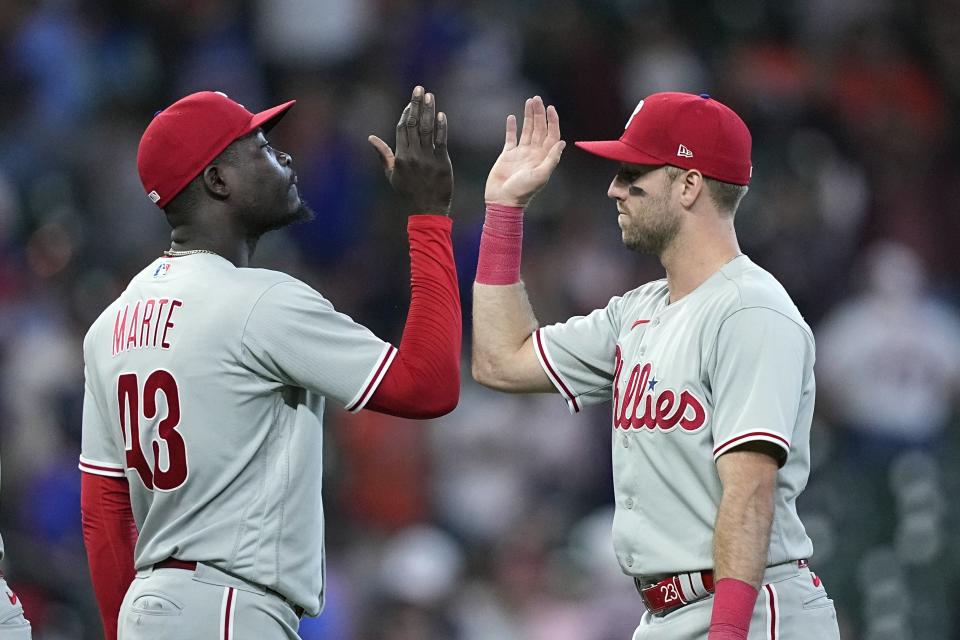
[139,327]
[643,407]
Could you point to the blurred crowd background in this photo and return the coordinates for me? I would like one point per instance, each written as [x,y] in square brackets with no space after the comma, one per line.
[494,522]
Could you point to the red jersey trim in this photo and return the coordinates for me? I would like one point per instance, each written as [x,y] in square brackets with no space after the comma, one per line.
[101,468]
[373,380]
[749,436]
[227,613]
[550,369]
[773,612]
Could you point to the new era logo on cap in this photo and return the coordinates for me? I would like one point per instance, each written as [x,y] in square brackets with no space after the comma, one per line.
[154,197]
[666,127]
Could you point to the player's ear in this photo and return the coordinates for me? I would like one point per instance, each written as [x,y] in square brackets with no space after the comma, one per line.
[214,183]
[691,186]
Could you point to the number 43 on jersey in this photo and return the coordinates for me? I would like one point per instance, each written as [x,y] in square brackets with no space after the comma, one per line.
[133,405]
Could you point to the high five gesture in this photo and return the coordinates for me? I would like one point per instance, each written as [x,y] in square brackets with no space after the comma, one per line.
[420,170]
[525,165]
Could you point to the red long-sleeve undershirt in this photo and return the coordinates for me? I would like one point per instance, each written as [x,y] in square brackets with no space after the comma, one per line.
[109,534]
[424,378]
[423,382]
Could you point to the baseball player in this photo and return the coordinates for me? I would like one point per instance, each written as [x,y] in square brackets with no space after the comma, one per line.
[710,373]
[13,624]
[206,380]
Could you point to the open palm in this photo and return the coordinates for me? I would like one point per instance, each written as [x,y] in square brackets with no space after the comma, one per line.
[525,165]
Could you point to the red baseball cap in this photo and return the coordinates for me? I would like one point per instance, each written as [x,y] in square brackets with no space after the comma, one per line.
[686,131]
[185,137]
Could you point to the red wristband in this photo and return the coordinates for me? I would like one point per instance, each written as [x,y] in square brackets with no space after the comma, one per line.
[733,603]
[500,245]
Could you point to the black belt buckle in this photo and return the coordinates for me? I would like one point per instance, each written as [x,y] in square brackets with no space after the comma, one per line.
[640,585]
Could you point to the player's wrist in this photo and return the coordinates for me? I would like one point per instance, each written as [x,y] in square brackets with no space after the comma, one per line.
[427,221]
[733,603]
[497,213]
[501,243]
[431,208]
[505,202]
[420,212]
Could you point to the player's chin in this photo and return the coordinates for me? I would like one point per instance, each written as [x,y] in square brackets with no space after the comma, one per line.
[292,213]
[303,212]
[297,209]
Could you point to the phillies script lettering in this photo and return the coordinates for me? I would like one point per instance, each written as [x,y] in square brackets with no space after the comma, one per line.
[642,407]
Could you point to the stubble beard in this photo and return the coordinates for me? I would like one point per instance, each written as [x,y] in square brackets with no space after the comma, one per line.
[303,213]
[653,231]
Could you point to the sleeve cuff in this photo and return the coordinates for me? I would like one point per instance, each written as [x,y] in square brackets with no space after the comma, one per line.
[550,368]
[373,380]
[429,221]
[751,436]
[99,468]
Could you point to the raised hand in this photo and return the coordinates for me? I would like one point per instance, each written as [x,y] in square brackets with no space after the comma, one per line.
[524,166]
[420,170]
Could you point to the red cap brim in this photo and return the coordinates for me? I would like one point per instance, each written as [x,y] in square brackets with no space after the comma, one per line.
[268,118]
[619,151]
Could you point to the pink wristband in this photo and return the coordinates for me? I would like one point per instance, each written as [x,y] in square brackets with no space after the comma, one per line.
[500,245]
[733,603]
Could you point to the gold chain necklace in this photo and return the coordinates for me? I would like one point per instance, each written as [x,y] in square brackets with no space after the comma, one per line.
[170,253]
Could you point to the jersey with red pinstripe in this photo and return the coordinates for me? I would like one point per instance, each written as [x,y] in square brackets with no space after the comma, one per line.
[730,363]
[205,388]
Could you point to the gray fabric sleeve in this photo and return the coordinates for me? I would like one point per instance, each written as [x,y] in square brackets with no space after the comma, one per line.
[101,451]
[762,362]
[294,335]
[579,355]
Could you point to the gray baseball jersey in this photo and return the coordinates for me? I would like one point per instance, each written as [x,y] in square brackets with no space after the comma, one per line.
[205,388]
[730,363]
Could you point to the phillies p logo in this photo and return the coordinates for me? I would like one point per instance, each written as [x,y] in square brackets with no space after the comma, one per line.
[643,406]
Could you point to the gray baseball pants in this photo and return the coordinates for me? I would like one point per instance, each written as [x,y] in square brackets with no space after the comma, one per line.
[13,626]
[792,605]
[173,604]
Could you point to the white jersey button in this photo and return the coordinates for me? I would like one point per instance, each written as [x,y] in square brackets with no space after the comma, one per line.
[629,503]
[629,561]
[625,441]
[656,322]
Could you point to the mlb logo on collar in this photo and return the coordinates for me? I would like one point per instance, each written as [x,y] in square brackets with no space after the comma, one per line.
[162,269]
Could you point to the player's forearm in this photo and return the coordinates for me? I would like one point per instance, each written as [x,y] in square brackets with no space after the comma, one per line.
[502,316]
[109,535]
[742,534]
[741,539]
[502,323]
[424,379]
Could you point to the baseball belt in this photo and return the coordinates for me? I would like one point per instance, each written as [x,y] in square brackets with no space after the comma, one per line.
[173,563]
[679,590]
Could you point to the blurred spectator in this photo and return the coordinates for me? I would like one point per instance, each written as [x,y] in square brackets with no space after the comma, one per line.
[889,359]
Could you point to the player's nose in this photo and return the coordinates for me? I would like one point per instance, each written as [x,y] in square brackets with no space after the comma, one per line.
[617,190]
